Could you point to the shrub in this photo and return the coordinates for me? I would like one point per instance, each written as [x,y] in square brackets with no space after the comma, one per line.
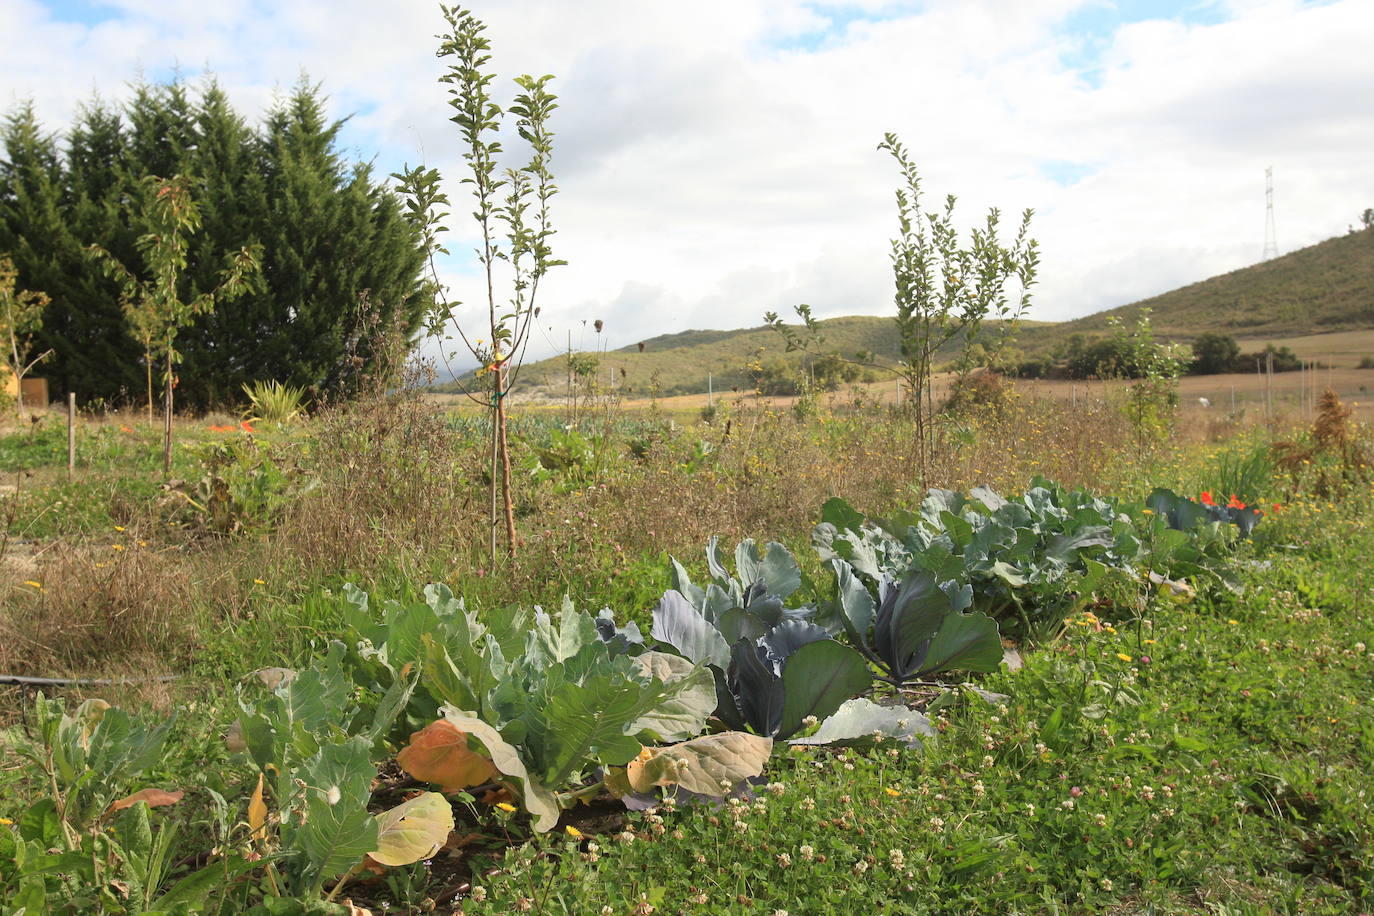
[981,388]
[1214,354]
[273,402]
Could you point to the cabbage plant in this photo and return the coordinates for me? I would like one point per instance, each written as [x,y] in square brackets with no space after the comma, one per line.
[774,668]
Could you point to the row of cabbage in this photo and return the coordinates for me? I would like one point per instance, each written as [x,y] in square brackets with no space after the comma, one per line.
[520,707]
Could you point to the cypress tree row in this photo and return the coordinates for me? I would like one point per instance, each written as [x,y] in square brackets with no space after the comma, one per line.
[340,291]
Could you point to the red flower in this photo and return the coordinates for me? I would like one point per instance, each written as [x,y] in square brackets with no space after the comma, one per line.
[246,427]
[1235,503]
[1207,498]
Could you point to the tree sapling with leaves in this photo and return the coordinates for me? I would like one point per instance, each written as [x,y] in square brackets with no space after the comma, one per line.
[21,315]
[153,307]
[516,198]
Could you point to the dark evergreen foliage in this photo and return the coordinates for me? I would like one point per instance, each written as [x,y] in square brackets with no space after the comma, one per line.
[341,285]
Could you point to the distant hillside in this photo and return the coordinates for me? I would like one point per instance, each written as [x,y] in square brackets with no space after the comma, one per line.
[683,360]
[1327,287]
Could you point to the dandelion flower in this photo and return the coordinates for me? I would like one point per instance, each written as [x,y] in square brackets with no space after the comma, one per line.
[506,807]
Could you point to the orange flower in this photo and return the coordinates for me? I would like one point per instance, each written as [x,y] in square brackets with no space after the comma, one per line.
[1207,498]
[1235,503]
[246,427]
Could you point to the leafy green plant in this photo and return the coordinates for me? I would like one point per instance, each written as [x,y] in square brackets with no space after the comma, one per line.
[570,460]
[273,402]
[918,627]
[313,743]
[85,847]
[1016,555]
[773,668]
[1185,514]
[91,756]
[527,701]
[245,485]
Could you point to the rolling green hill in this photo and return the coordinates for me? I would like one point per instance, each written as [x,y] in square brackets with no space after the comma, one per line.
[1325,288]
[682,361]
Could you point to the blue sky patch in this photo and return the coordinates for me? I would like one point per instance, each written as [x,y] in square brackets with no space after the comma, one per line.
[82,12]
[840,16]
[1065,173]
[1094,24]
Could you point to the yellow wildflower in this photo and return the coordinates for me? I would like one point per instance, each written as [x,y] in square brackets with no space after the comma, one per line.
[506,807]
[573,832]
[1123,656]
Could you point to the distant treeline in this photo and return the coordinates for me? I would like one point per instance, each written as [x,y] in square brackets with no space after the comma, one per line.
[1084,357]
[340,283]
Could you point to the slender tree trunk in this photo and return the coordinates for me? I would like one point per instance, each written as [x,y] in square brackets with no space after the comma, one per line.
[504,448]
[18,377]
[148,364]
[167,422]
[492,517]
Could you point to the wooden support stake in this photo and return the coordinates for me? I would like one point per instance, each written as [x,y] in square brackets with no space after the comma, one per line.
[71,432]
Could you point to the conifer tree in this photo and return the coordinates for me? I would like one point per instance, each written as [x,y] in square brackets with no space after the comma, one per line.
[342,267]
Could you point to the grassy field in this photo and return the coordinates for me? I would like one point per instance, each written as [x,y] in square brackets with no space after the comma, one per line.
[1242,393]
[1201,749]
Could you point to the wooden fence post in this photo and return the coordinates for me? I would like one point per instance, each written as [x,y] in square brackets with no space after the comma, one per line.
[71,432]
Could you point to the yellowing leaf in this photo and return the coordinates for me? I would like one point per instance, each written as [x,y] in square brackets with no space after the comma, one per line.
[617,782]
[154,797]
[645,772]
[275,677]
[413,830]
[257,811]
[439,753]
[707,764]
[89,715]
[539,801]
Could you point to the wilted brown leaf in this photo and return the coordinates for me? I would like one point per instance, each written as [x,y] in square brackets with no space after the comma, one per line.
[439,754]
[257,811]
[154,797]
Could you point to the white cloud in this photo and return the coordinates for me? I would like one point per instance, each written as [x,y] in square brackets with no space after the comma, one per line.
[718,160]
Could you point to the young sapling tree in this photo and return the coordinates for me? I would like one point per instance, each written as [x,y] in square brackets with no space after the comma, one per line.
[153,307]
[514,226]
[21,317]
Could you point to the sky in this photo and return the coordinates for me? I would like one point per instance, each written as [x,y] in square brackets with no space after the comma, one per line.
[718,160]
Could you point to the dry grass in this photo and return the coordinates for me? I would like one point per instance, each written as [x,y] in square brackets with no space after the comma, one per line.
[401,497]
